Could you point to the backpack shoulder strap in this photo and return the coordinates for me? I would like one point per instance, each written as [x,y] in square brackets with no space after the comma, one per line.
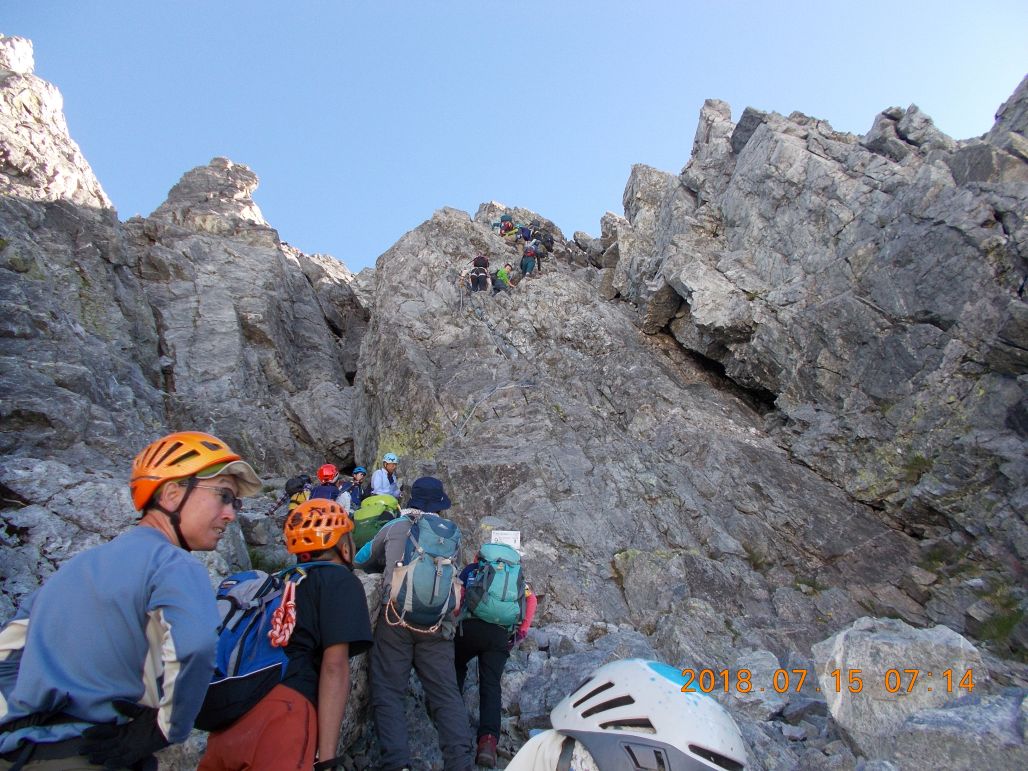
[567,749]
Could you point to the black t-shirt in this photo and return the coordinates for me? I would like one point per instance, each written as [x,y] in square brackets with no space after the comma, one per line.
[330,609]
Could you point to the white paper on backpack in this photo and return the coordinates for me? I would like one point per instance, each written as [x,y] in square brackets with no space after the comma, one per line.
[509,537]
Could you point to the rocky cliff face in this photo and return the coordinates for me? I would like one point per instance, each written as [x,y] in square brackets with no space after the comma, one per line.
[866,286]
[112,333]
[782,393]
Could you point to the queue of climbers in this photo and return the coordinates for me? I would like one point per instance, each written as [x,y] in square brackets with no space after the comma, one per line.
[532,243]
[263,663]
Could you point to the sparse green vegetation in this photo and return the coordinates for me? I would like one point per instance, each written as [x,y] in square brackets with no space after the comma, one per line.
[423,443]
[915,466]
[626,555]
[757,560]
[1000,626]
[809,582]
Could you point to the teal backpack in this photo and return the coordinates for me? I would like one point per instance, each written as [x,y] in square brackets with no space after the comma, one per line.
[425,588]
[496,590]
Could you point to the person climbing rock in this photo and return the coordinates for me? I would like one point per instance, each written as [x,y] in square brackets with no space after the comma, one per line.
[479,276]
[301,717]
[497,611]
[326,488]
[108,662]
[384,481]
[416,625]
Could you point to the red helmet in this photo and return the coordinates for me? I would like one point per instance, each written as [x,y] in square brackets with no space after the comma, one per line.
[327,473]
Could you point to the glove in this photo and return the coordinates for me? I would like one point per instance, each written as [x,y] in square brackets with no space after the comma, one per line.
[330,764]
[125,745]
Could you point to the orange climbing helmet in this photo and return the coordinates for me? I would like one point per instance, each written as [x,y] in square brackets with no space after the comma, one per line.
[327,473]
[187,454]
[316,525]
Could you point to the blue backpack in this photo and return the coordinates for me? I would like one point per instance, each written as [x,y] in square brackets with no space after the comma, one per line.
[425,585]
[246,664]
[496,589]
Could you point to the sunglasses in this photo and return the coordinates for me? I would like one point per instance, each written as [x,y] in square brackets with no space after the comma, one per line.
[228,498]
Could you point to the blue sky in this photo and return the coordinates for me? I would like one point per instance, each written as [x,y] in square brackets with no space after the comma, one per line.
[362,118]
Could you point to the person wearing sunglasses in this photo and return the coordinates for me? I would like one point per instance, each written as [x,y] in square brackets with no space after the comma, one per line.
[120,649]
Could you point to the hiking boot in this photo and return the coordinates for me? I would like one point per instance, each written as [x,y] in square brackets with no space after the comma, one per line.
[486,751]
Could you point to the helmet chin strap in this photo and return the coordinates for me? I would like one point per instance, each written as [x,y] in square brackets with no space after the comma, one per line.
[175,517]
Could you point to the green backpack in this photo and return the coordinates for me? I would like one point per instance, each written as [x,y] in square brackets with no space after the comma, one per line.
[374,511]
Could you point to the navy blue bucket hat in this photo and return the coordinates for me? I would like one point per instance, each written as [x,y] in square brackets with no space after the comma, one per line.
[427,494]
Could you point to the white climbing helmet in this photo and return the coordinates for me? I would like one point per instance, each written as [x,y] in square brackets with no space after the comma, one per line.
[632,714]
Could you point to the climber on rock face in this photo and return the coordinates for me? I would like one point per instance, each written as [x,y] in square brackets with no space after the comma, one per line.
[300,716]
[528,262]
[479,276]
[501,282]
[497,611]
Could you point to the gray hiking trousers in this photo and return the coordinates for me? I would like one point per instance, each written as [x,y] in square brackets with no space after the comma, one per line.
[396,649]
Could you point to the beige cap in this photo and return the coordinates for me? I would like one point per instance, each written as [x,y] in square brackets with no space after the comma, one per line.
[249,482]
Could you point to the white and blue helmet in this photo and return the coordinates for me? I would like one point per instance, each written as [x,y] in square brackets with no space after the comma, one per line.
[633,715]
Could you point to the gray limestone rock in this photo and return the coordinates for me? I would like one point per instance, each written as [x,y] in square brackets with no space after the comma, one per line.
[974,732]
[1012,116]
[196,317]
[818,271]
[878,672]
[784,390]
[16,55]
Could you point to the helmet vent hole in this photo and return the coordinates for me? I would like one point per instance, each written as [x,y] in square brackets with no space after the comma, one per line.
[620,701]
[636,724]
[716,758]
[647,758]
[164,454]
[182,458]
[593,692]
[156,450]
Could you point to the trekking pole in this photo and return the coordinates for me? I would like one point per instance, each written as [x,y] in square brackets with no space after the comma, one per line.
[277,506]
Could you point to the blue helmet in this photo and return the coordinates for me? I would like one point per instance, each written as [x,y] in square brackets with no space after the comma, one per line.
[360,470]
[390,457]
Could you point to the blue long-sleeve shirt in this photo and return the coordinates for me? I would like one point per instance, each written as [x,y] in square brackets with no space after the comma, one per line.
[133,619]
